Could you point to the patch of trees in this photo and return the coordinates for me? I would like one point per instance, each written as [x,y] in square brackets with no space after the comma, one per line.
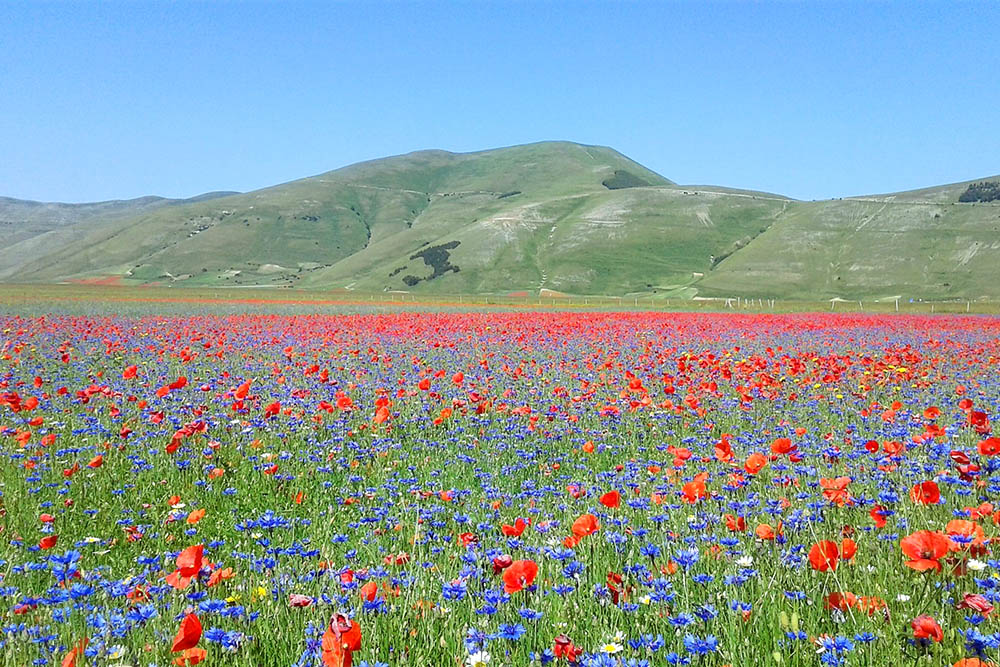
[623,179]
[438,258]
[982,191]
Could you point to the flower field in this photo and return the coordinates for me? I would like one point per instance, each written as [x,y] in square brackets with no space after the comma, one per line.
[499,489]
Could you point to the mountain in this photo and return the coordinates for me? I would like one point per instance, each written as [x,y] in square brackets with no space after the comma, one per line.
[922,244]
[31,229]
[552,216]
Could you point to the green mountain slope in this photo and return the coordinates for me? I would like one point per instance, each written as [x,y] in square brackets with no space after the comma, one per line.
[548,216]
[922,244]
[32,229]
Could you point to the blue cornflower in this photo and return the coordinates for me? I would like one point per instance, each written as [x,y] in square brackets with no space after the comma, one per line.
[686,557]
[512,631]
[700,646]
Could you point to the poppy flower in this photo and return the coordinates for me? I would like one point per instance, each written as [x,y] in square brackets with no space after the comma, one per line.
[188,634]
[188,566]
[925,627]
[782,446]
[69,660]
[520,575]
[973,662]
[980,422]
[755,463]
[611,499]
[989,446]
[586,525]
[515,530]
[191,657]
[368,591]
[222,574]
[840,601]
[501,563]
[848,548]
[48,541]
[735,524]
[925,493]
[693,491]
[341,639]
[562,647]
[196,516]
[835,490]
[976,603]
[877,514]
[972,533]
[764,531]
[925,548]
[823,556]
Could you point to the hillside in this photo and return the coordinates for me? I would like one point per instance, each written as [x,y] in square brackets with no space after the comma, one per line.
[549,216]
[921,244]
[31,229]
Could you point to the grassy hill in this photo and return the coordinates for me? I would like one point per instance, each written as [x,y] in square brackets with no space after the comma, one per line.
[32,229]
[921,244]
[549,216]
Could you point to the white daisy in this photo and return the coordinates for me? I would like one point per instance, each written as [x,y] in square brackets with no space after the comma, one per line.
[479,659]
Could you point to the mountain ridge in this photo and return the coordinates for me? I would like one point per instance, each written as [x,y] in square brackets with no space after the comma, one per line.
[556,216]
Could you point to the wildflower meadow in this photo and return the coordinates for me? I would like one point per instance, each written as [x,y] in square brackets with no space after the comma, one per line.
[498,489]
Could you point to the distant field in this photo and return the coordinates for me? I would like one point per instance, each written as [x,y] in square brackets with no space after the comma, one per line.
[95,298]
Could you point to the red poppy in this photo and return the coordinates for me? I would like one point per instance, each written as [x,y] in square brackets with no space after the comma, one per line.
[48,541]
[975,602]
[693,491]
[188,566]
[341,639]
[848,548]
[925,548]
[990,446]
[979,421]
[188,634]
[755,463]
[191,657]
[925,493]
[515,530]
[877,514]
[586,525]
[519,575]
[69,660]
[501,563]
[840,601]
[925,627]
[835,490]
[611,499]
[734,523]
[764,531]
[823,556]
[782,446]
[563,648]
[369,590]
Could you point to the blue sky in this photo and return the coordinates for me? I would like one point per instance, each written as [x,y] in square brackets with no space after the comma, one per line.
[811,100]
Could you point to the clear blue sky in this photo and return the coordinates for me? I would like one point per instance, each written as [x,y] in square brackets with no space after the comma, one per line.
[116,100]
